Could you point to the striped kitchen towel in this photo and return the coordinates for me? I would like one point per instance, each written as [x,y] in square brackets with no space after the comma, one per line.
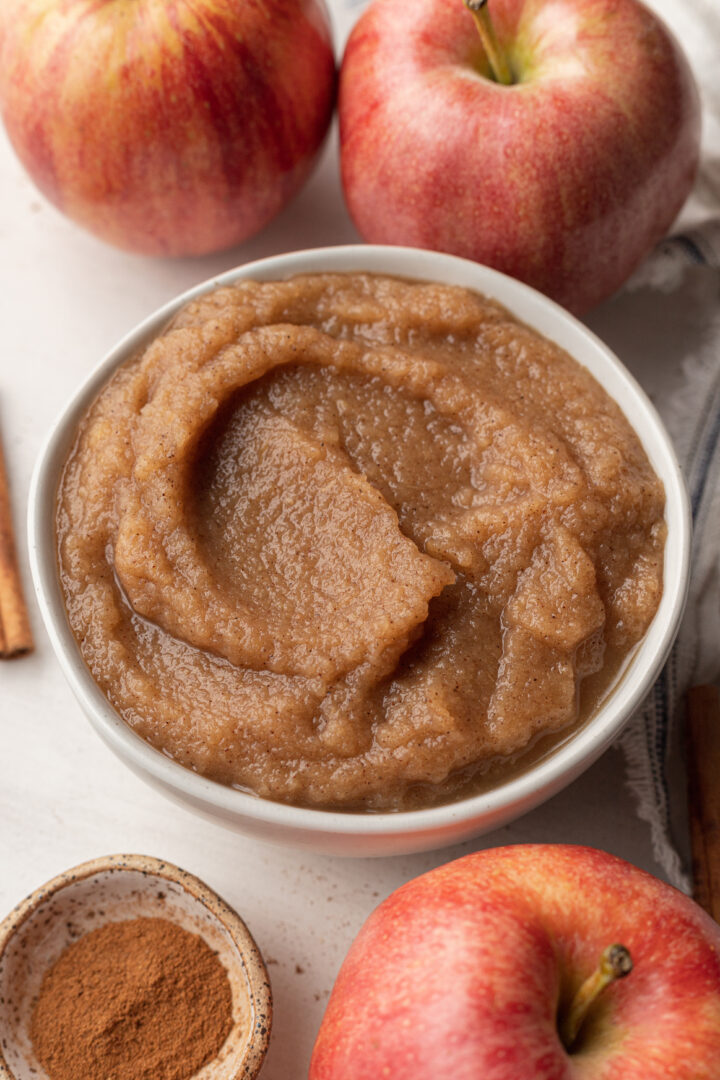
[691,410]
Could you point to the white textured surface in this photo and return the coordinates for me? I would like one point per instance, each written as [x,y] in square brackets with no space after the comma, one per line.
[64,300]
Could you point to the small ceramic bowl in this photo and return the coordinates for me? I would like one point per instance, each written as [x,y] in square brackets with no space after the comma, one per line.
[396,833]
[113,889]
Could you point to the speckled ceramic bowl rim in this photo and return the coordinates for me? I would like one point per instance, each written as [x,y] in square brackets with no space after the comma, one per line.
[255,970]
[508,799]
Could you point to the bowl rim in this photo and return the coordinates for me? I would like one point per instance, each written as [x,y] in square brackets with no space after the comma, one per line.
[256,975]
[522,791]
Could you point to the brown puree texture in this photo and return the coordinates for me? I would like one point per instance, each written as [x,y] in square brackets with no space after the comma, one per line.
[350,541]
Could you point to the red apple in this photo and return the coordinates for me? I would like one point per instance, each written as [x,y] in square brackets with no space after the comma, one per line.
[472,972]
[565,178]
[169,127]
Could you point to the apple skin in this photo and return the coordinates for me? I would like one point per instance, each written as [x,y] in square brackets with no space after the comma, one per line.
[167,127]
[461,973]
[564,180]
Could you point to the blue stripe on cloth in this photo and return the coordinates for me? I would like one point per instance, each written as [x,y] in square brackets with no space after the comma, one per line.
[657,745]
[705,459]
[691,249]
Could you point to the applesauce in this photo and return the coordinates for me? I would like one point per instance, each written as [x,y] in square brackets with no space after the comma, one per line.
[356,542]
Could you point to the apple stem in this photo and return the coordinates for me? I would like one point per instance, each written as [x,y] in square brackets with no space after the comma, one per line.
[615,963]
[496,58]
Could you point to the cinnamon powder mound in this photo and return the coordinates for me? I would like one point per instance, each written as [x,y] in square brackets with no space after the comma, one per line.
[136,1000]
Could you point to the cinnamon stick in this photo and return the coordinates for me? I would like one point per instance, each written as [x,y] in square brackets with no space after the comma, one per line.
[15,633]
[703,754]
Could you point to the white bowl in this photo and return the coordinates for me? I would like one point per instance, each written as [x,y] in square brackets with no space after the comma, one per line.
[417,830]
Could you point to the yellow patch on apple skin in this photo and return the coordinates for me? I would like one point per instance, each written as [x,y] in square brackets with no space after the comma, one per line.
[547,42]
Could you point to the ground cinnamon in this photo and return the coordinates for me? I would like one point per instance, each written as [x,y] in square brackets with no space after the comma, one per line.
[136,1000]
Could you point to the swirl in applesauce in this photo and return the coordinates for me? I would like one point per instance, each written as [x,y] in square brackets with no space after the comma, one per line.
[355,542]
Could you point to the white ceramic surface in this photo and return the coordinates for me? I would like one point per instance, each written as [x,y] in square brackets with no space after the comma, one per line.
[113,889]
[377,834]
